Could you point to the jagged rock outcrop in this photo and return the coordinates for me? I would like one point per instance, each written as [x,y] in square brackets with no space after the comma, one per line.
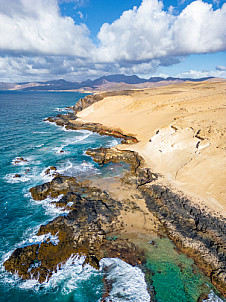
[85,231]
[106,155]
[70,123]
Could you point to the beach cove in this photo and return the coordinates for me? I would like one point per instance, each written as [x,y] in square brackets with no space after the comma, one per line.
[151,197]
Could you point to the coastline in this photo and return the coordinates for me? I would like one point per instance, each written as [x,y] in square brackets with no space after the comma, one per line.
[193,136]
[146,182]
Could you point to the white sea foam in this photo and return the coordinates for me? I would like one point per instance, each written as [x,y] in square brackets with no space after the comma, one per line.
[29,174]
[76,139]
[59,150]
[47,177]
[112,143]
[70,274]
[71,141]
[212,297]
[18,162]
[64,129]
[49,206]
[71,169]
[59,109]
[128,282]
[11,178]
[39,146]
[66,279]
[41,238]
[63,109]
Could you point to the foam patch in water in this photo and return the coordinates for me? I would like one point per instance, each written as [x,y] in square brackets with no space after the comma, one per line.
[112,144]
[66,279]
[20,161]
[128,282]
[71,169]
[49,206]
[212,297]
[16,178]
[71,141]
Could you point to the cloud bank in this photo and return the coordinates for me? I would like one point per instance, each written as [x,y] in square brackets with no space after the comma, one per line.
[37,41]
[149,32]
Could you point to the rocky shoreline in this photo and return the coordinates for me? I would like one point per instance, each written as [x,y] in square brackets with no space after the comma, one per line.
[92,226]
[194,231]
[86,230]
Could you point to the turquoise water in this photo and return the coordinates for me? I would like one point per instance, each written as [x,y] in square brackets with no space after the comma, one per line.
[23,133]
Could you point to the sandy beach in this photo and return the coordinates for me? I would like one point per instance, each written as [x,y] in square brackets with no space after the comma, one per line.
[169,182]
[181,134]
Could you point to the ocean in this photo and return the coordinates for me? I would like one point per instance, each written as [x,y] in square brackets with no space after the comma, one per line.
[24,133]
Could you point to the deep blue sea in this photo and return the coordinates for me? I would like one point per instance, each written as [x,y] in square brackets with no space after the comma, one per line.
[23,133]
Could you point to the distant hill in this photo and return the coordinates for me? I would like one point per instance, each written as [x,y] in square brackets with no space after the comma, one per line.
[110,82]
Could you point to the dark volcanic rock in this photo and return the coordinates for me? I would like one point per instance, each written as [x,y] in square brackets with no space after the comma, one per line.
[69,120]
[50,169]
[59,185]
[106,155]
[83,231]
[70,123]
[198,234]
[20,160]
[17,176]
[22,259]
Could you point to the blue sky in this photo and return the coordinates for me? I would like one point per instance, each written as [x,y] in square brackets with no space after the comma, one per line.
[97,12]
[80,39]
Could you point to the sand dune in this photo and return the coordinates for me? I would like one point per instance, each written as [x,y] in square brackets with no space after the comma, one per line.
[181,133]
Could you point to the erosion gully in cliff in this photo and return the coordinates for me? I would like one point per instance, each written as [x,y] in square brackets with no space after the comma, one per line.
[94,221]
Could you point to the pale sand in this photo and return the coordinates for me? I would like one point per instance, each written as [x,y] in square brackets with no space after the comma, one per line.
[137,222]
[181,133]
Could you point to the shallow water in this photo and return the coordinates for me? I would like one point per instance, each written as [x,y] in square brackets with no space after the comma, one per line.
[23,133]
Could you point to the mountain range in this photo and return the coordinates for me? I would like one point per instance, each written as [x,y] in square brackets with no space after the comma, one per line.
[110,82]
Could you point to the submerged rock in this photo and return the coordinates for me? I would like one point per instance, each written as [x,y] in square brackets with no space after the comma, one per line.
[17,176]
[20,160]
[50,170]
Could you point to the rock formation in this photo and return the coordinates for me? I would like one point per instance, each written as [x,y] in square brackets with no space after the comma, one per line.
[85,231]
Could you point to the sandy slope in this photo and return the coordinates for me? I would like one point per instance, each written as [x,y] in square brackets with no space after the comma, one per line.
[181,133]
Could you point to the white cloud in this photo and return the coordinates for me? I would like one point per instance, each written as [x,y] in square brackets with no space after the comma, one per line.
[149,32]
[77,2]
[81,16]
[38,43]
[36,27]
[196,74]
[220,68]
